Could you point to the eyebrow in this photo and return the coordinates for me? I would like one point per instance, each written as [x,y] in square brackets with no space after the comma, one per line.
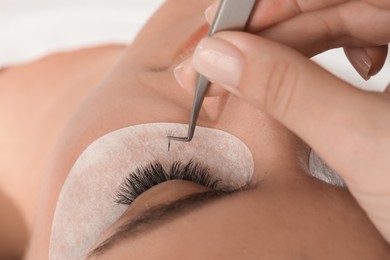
[161,214]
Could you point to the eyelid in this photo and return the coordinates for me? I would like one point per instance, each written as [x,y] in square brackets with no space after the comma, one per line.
[163,213]
[145,178]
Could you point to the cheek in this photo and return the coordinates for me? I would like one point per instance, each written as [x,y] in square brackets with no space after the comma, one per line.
[86,207]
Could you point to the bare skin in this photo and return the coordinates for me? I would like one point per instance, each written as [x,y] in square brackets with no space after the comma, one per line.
[288,208]
[347,126]
[36,101]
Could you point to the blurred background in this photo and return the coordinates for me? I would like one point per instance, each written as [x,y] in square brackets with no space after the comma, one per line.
[26,34]
[31,28]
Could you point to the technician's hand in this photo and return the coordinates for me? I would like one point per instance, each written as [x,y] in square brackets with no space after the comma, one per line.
[348,127]
[354,25]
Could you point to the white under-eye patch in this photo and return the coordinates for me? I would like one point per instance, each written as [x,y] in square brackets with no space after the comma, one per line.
[86,205]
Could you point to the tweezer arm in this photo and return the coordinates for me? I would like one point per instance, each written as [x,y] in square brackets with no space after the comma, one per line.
[201,88]
[232,15]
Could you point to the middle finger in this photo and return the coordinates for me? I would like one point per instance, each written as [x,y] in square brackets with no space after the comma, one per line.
[339,26]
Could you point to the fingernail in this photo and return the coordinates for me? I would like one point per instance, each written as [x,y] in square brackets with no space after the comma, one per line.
[388,88]
[179,73]
[183,72]
[219,61]
[207,14]
[211,10]
[361,62]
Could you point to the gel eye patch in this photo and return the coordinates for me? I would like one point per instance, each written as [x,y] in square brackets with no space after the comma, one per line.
[86,206]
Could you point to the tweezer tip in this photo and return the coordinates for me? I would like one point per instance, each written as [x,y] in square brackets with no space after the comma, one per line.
[179,139]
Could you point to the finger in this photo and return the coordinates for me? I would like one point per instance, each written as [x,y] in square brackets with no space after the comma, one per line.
[367,61]
[270,12]
[333,24]
[185,74]
[334,27]
[334,118]
[186,77]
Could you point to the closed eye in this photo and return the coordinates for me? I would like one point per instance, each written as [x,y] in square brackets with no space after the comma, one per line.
[146,177]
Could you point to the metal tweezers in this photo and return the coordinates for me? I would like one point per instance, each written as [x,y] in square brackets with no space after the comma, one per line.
[232,15]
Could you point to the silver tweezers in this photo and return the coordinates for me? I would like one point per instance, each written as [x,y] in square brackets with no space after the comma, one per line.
[232,15]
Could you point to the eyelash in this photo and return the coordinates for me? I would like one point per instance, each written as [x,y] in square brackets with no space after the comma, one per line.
[146,177]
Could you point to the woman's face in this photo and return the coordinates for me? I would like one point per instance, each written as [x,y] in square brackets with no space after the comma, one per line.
[285,213]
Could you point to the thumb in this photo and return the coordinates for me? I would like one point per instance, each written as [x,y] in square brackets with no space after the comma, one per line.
[348,127]
[322,109]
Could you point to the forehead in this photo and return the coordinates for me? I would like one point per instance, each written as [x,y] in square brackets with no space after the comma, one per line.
[169,29]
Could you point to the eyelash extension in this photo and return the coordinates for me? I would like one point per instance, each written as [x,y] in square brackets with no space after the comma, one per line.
[145,178]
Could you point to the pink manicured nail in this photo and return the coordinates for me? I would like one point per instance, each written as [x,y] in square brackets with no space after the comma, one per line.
[211,10]
[179,74]
[361,62]
[207,14]
[184,73]
[387,88]
[219,61]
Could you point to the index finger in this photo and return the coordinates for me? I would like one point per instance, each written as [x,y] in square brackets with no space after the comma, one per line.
[269,12]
